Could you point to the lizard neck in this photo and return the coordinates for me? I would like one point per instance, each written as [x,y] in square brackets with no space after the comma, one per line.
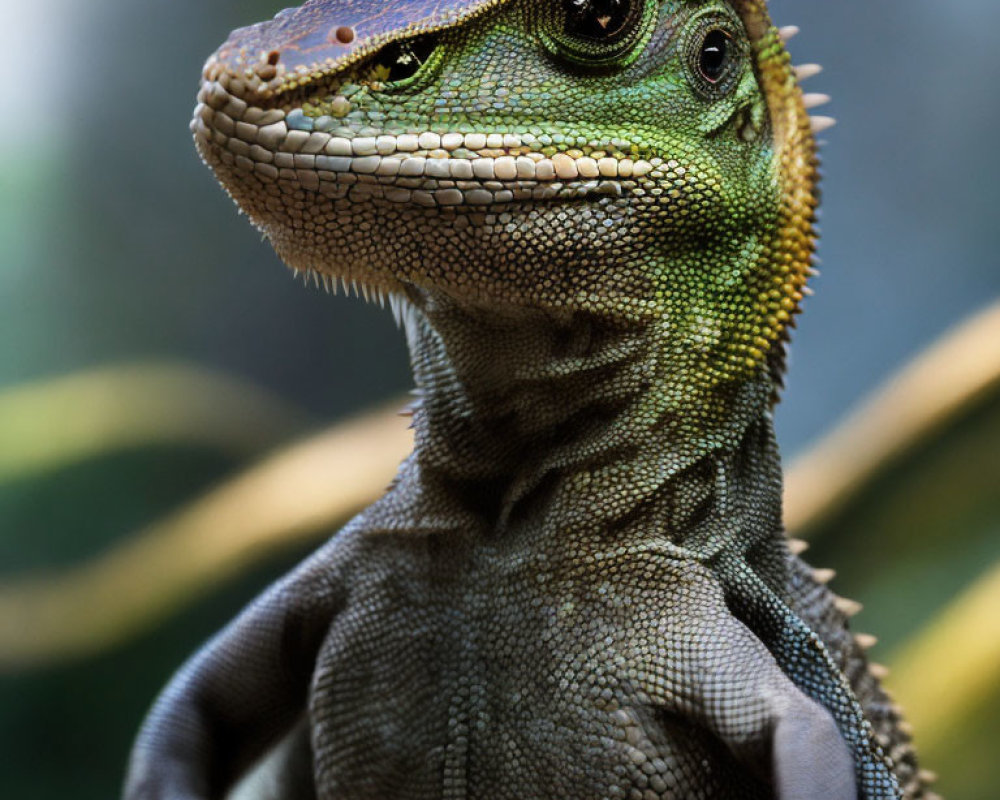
[533,418]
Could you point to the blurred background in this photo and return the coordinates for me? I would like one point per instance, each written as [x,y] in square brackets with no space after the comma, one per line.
[152,348]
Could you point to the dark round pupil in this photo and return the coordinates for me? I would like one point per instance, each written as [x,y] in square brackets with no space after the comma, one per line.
[597,19]
[714,55]
[403,59]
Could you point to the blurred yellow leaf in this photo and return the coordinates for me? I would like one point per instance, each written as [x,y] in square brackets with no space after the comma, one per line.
[297,493]
[952,377]
[943,673]
[50,423]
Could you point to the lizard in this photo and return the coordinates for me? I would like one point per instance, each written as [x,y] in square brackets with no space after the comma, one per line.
[594,220]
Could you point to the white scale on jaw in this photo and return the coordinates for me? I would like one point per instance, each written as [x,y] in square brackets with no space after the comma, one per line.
[429,168]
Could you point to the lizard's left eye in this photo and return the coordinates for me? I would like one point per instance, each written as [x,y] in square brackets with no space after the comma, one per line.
[716,55]
[598,32]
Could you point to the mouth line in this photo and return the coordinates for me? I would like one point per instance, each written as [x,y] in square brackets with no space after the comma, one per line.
[433,193]
[431,168]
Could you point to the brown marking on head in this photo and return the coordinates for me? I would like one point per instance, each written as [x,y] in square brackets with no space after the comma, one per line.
[344,34]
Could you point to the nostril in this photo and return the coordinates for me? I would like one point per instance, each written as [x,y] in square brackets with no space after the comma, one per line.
[401,60]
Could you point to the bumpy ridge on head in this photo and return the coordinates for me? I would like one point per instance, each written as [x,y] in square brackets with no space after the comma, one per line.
[302,45]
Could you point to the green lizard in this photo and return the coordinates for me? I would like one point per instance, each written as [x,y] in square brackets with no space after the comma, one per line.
[594,219]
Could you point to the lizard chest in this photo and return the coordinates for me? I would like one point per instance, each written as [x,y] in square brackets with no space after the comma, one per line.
[522,682]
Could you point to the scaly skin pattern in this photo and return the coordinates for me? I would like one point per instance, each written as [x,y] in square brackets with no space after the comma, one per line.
[594,221]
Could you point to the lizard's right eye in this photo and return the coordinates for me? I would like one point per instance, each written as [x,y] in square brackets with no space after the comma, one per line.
[398,62]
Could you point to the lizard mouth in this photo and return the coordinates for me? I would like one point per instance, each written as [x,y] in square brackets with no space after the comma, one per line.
[429,168]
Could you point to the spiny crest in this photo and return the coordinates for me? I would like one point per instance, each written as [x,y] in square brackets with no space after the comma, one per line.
[790,255]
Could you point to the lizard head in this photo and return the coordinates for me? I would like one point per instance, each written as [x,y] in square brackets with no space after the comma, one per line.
[634,159]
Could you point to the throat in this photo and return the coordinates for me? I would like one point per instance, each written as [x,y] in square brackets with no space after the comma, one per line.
[564,421]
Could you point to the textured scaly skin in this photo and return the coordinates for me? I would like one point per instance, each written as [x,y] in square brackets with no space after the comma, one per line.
[594,220]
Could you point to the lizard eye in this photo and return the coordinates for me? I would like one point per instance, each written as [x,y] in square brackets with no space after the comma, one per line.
[716,56]
[598,32]
[400,61]
[600,20]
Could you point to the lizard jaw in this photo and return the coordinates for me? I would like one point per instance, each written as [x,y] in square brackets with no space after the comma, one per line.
[261,155]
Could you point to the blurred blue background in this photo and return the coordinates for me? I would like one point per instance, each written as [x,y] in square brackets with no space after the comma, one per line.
[116,245]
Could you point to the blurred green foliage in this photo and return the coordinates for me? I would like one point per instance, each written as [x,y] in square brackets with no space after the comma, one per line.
[908,545]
